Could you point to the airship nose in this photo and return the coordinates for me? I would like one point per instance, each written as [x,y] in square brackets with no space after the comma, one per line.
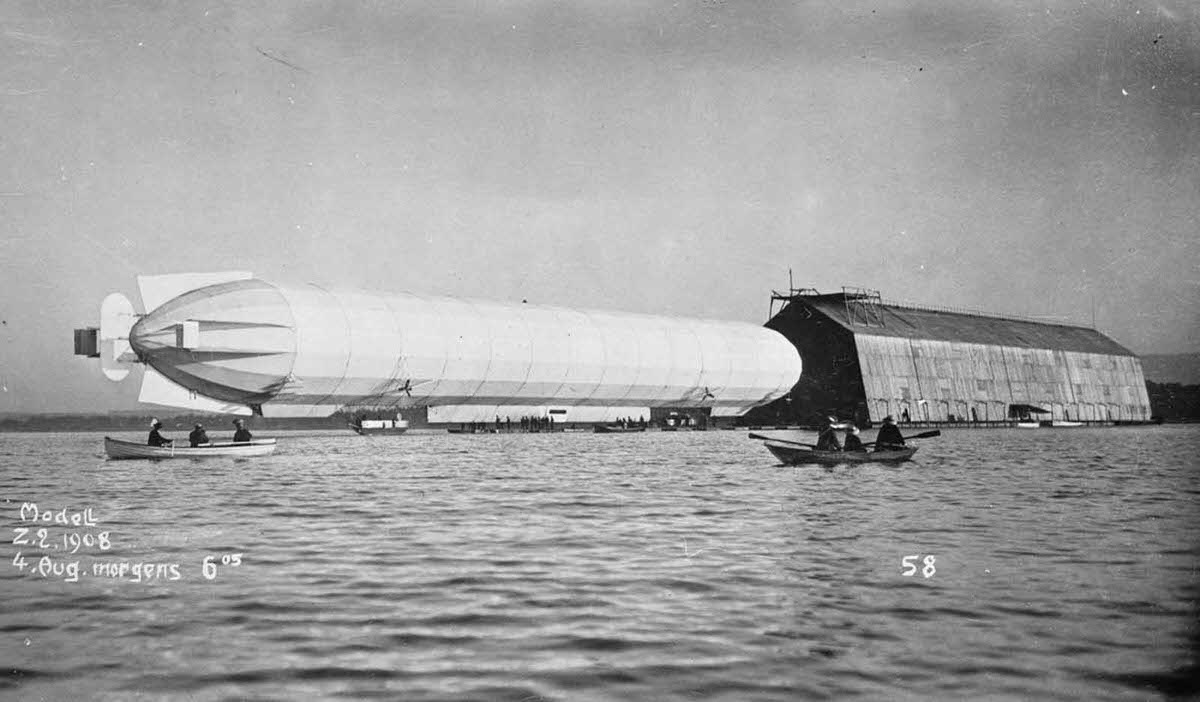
[234,341]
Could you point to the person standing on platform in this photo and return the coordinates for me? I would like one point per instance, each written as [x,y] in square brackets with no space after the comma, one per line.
[889,438]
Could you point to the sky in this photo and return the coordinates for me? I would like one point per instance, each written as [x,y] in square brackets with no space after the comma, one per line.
[1030,158]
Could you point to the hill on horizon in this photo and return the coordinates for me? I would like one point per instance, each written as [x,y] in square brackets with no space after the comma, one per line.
[1182,368]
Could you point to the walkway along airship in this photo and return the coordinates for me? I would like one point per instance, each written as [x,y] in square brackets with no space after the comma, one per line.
[229,342]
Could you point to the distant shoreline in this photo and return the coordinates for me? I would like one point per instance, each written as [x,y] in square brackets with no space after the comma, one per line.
[1170,402]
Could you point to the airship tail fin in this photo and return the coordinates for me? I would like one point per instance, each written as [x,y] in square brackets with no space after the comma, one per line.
[116,318]
[157,389]
[110,341]
[157,289]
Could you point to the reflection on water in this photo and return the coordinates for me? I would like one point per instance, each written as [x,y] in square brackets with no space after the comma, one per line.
[1047,564]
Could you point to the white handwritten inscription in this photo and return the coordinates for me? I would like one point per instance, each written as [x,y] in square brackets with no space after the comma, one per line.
[52,534]
[71,540]
[31,513]
[208,567]
[910,568]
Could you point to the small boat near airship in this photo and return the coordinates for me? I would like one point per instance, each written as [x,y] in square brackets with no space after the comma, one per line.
[798,455]
[794,453]
[371,427]
[617,429]
[116,448]
[234,344]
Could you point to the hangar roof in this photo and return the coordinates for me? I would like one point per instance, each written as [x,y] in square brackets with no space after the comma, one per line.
[912,322]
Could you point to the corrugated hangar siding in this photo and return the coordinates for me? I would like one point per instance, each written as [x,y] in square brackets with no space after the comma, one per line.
[934,380]
[938,365]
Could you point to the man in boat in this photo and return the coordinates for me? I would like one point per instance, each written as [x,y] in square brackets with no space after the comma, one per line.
[827,438]
[241,433]
[198,436]
[157,439]
[889,438]
[853,443]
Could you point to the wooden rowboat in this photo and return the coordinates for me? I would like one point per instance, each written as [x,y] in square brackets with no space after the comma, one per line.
[796,455]
[610,429]
[115,448]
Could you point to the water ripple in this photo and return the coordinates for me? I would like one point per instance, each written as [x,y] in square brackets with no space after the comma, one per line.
[644,566]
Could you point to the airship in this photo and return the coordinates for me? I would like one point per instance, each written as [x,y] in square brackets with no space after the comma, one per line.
[232,343]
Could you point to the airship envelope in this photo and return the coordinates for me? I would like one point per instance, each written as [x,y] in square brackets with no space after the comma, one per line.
[233,343]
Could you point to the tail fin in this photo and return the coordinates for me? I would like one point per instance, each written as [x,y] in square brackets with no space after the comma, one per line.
[157,389]
[110,342]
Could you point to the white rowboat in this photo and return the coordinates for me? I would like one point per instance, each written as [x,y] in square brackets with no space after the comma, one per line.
[115,448]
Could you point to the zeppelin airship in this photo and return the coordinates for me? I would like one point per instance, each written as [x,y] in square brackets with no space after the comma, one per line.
[229,342]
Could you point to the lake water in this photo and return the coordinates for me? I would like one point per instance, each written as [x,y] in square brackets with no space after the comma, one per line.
[1048,564]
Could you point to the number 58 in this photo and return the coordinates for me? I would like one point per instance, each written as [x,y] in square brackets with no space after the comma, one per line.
[911,568]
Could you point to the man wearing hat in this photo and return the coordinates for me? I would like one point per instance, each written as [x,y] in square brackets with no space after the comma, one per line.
[241,433]
[853,442]
[198,435]
[827,438]
[157,439]
[889,438]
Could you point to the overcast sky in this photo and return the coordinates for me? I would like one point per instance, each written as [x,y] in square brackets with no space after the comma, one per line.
[1031,158]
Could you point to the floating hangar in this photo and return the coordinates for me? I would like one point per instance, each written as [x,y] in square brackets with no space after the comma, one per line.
[865,359]
[231,343]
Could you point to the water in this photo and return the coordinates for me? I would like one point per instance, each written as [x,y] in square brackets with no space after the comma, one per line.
[611,567]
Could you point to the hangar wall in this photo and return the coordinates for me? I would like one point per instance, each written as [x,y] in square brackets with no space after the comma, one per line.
[865,358]
[935,380]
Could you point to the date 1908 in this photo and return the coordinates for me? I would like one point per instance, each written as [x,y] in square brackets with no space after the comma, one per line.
[71,541]
[910,568]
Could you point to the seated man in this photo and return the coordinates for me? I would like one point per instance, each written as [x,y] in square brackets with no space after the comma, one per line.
[157,439]
[827,438]
[853,442]
[198,436]
[241,433]
[889,438]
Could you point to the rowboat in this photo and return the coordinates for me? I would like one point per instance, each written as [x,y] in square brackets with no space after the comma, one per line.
[385,426]
[1065,423]
[115,448]
[391,425]
[796,455]
[609,429]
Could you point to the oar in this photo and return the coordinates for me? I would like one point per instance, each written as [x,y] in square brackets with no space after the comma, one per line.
[782,441]
[922,435]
